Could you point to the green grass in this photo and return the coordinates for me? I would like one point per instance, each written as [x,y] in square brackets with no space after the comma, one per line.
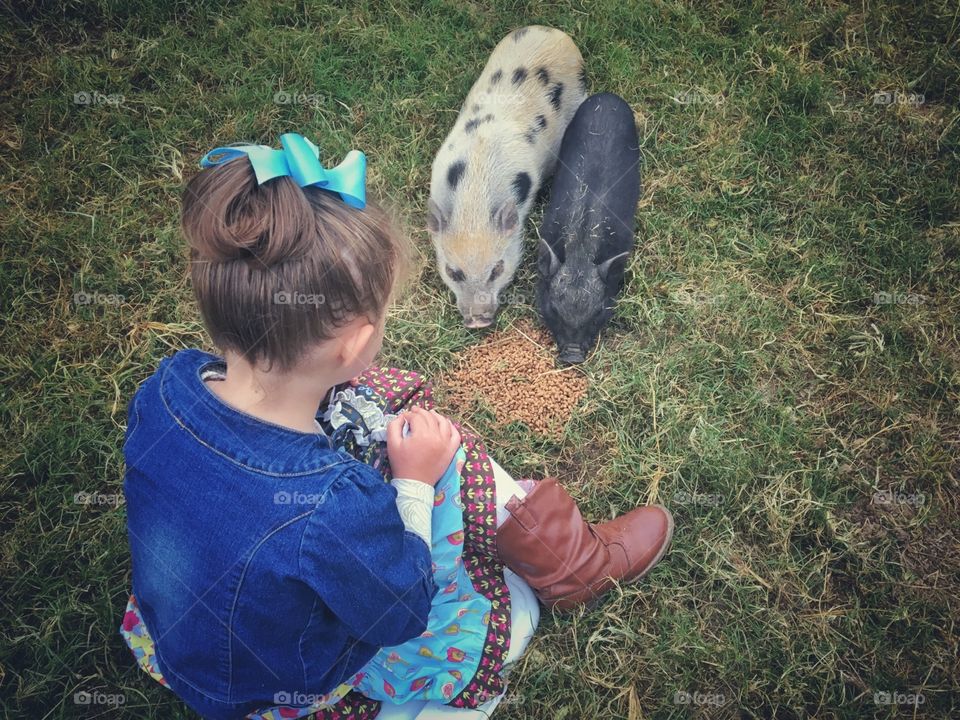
[749,380]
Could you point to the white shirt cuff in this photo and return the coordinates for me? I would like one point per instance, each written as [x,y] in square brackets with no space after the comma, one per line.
[415,503]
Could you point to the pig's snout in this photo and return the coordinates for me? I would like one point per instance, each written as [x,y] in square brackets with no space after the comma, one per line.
[572,355]
[478,321]
[481,312]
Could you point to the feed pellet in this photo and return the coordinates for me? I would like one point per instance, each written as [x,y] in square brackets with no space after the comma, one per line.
[514,375]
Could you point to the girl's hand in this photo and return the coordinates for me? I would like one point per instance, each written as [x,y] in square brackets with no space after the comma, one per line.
[426,451]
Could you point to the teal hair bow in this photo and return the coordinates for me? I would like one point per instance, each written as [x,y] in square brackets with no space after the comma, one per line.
[300,160]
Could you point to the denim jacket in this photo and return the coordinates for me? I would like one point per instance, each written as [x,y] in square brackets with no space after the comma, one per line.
[264,560]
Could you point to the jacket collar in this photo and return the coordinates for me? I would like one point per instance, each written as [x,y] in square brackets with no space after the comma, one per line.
[238,437]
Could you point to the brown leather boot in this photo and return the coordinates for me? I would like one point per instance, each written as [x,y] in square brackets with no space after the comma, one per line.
[568,561]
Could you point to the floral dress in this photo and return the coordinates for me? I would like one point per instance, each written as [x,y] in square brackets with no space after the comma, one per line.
[458,660]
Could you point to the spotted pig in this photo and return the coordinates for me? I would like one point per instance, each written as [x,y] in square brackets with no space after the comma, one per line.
[502,147]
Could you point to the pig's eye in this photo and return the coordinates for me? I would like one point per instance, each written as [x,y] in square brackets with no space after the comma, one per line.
[455,275]
[497,270]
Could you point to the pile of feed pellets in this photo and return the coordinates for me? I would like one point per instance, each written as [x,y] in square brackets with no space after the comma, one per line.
[514,375]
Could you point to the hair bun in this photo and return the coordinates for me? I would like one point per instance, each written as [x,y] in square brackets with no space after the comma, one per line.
[227,216]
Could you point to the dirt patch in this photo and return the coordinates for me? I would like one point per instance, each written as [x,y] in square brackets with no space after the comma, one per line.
[513,375]
[930,550]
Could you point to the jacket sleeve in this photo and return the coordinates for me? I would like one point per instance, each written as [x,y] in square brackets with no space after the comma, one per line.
[372,573]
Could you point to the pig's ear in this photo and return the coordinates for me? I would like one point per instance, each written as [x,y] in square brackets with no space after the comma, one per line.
[505,217]
[436,220]
[604,267]
[548,261]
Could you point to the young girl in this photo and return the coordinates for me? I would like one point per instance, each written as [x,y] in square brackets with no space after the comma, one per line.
[307,534]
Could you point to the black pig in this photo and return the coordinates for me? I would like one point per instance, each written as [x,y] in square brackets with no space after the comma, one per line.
[587,231]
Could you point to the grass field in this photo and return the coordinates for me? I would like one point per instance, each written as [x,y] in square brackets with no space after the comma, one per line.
[783,369]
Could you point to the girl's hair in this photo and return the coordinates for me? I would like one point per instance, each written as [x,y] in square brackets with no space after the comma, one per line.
[277,268]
